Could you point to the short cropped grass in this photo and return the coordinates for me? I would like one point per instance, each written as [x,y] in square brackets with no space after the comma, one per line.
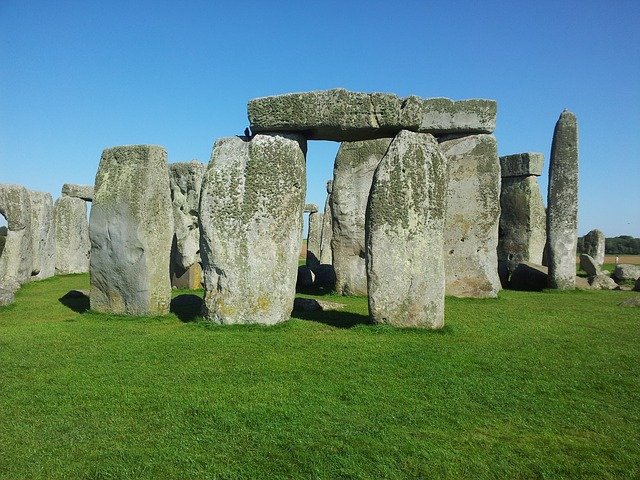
[529,385]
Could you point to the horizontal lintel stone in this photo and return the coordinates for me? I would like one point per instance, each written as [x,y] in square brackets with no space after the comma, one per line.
[522,164]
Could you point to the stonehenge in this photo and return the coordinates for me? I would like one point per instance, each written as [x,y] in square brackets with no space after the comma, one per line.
[16,261]
[594,245]
[42,236]
[326,256]
[71,235]
[85,192]
[314,238]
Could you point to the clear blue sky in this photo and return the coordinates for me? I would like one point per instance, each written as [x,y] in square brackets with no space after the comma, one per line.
[80,76]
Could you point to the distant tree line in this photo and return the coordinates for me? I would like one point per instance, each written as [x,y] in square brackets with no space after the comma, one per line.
[622,245]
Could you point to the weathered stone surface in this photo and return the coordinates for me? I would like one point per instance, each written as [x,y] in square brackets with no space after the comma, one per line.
[353,172]
[7,296]
[472,216]
[602,282]
[341,115]
[314,238]
[71,232]
[404,233]
[131,232]
[42,236]
[185,180]
[16,260]
[626,272]
[562,203]
[529,277]
[522,233]
[589,265]
[593,245]
[326,256]
[310,208]
[85,192]
[251,222]
[521,164]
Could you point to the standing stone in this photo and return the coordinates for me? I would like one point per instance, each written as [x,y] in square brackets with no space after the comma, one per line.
[472,217]
[326,257]
[186,181]
[251,209]
[42,236]
[404,234]
[562,203]
[589,265]
[131,232]
[353,171]
[594,246]
[71,235]
[314,239]
[16,261]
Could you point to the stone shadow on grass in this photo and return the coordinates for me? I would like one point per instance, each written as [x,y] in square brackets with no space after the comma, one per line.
[333,318]
[187,307]
[76,300]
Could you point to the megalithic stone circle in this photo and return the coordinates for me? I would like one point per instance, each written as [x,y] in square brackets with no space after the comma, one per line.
[131,231]
[404,234]
[251,209]
[562,203]
[71,235]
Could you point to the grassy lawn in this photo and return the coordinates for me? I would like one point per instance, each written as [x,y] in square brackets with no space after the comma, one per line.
[530,385]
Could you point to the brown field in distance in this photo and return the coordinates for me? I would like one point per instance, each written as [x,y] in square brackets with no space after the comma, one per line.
[633,259]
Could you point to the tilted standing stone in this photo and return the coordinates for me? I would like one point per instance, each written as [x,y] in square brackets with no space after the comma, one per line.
[314,238]
[326,257]
[562,203]
[251,222]
[131,232]
[186,182]
[594,243]
[404,234]
[16,260]
[353,171]
[43,235]
[71,235]
[473,213]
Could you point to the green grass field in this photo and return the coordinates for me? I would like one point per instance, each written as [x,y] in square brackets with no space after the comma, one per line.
[530,385]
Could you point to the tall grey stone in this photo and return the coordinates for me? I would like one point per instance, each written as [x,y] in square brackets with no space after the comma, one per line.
[326,257]
[472,217]
[71,235]
[16,261]
[562,203]
[314,239]
[42,236]
[251,209]
[85,192]
[353,171]
[594,243]
[404,234]
[186,181]
[131,232]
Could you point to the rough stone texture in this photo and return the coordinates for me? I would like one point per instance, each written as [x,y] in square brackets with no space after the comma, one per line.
[7,297]
[341,115]
[472,216]
[190,278]
[310,208]
[353,172]
[404,234]
[529,277]
[71,231]
[131,232]
[314,239]
[251,210]
[589,265]
[562,203]
[16,260]
[85,192]
[522,232]
[626,272]
[326,256]
[594,246]
[42,236]
[602,282]
[185,179]
[521,164]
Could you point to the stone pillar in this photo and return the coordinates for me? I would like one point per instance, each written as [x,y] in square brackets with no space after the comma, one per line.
[251,209]
[353,172]
[71,235]
[523,221]
[42,236]
[404,234]
[594,243]
[562,203]
[186,181]
[326,257]
[16,260]
[314,238]
[473,213]
[131,231]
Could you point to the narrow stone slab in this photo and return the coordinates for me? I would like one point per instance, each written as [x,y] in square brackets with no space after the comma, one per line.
[85,192]
[326,256]
[251,210]
[314,238]
[472,216]
[341,115]
[42,236]
[71,231]
[404,234]
[594,243]
[522,164]
[562,203]
[16,261]
[589,265]
[353,171]
[131,232]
